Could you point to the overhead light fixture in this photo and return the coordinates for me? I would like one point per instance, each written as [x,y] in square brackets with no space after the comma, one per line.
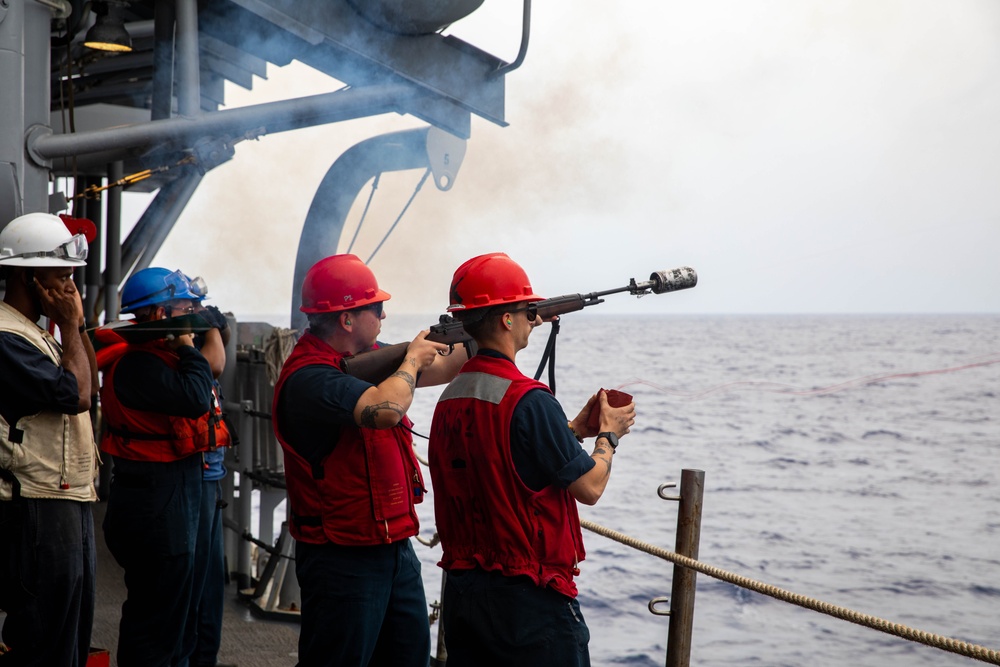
[108,32]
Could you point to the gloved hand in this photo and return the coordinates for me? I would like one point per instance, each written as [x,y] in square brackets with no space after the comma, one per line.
[215,317]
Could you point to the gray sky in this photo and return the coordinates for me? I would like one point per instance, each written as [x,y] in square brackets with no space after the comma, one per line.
[802,155]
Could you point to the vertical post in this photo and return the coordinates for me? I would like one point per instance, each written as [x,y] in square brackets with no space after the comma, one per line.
[187,62]
[113,245]
[163,60]
[245,518]
[683,589]
[441,658]
[93,211]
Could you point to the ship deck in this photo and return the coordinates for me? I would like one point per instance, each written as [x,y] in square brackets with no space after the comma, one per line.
[246,640]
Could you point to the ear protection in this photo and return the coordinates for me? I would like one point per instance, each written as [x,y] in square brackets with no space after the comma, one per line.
[509,321]
[347,322]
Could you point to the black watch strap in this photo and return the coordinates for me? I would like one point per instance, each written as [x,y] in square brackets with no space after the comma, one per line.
[610,437]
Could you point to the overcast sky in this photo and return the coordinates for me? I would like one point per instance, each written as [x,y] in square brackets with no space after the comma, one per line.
[801,155]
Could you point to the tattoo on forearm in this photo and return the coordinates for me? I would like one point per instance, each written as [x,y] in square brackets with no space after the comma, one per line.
[599,453]
[413,362]
[369,414]
[407,378]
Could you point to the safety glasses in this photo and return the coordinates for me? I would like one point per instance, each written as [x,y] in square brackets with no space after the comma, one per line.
[75,248]
[197,286]
[176,286]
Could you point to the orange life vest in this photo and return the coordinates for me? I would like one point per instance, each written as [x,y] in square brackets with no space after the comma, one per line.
[142,435]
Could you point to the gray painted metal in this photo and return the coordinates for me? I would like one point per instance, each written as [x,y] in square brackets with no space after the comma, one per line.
[24,66]
[180,194]
[113,261]
[113,240]
[93,212]
[682,592]
[188,76]
[271,117]
[332,37]
[161,103]
[414,17]
[525,36]
[339,188]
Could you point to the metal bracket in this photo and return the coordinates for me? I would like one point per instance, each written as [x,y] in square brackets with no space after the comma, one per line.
[31,136]
[658,601]
[211,152]
[61,9]
[663,487]
[445,153]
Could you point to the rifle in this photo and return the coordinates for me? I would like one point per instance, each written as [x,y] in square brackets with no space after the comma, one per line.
[143,332]
[376,365]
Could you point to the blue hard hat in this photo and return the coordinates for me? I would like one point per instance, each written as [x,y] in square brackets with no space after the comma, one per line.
[157,285]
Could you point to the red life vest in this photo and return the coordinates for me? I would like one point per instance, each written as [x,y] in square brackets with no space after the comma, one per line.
[140,435]
[364,491]
[485,515]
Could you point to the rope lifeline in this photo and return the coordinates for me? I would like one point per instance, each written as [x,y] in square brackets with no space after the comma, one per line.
[974,651]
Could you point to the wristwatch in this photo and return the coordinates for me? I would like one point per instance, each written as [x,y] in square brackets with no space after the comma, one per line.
[610,437]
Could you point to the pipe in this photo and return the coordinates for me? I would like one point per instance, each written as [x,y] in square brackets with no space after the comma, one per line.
[113,236]
[188,76]
[93,280]
[523,50]
[61,9]
[270,117]
[116,171]
[163,60]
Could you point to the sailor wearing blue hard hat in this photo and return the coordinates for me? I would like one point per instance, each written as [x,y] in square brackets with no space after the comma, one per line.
[162,415]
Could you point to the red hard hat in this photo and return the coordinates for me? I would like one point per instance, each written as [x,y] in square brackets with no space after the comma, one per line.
[489,280]
[339,282]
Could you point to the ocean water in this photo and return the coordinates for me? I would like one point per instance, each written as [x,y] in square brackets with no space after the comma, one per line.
[854,459]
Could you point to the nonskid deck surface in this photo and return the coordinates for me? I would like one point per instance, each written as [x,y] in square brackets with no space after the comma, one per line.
[246,641]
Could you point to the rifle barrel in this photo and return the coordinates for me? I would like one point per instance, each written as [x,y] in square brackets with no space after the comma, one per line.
[660,282]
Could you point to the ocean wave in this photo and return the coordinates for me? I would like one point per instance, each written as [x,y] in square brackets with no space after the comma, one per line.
[985,591]
[882,433]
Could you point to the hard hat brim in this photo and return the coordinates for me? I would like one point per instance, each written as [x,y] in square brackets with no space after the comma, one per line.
[42,262]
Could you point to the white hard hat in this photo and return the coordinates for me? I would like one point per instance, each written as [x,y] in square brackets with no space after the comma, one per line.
[42,240]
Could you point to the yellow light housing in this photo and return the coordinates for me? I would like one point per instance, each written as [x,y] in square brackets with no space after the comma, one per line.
[108,32]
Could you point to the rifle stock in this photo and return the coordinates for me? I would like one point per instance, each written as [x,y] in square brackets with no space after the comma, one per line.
[376,365]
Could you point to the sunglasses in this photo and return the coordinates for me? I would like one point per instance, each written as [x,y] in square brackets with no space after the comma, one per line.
[530,311]
[374,307]
[176,311]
